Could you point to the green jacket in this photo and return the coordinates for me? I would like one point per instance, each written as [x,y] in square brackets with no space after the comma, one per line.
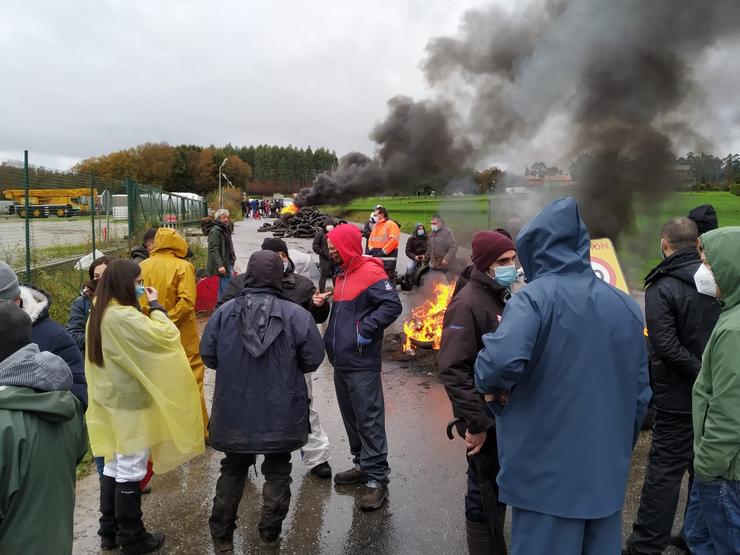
[42,438]
[220,249]
[716,394]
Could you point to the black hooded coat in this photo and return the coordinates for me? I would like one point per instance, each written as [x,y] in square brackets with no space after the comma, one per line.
[679,323]
[261,345]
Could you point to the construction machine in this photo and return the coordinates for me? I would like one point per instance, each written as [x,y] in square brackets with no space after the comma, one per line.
[43,203]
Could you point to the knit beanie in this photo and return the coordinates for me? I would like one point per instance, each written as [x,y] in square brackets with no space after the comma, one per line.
[9,289]
[274,244]
[488,246]
[15,328]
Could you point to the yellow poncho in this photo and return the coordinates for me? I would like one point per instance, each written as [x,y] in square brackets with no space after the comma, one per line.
[145,395]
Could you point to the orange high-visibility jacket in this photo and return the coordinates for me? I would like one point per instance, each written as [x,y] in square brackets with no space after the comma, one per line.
[385,235]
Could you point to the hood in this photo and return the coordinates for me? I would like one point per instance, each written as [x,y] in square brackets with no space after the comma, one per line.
[52,406]
[139,252]
[556,241]
[348,241]
[265,271]
[681,264]
[417,225]
[36,302]
[260,320]
[722,251]
[28,367]
[167,240]
[705,218]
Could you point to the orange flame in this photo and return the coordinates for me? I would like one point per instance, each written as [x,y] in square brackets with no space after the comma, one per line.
[425,323]
[290,209]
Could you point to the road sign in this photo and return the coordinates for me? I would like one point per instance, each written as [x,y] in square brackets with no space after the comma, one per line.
[605,263]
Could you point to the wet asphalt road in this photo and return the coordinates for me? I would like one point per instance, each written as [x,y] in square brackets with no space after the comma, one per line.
[423,515]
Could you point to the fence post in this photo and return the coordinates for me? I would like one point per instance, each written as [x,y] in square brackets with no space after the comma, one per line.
[27,214]
[131,201]
[91,205]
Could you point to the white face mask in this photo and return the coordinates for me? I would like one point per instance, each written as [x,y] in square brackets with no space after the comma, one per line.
[704,279]
[286,265]
[329,227]
[435,227]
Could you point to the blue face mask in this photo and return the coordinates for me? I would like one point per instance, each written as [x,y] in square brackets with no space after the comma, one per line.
[505,275]
[140,291]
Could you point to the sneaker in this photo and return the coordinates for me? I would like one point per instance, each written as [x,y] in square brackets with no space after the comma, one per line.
[374,496]
[322,470]
[223,545]
[350,477]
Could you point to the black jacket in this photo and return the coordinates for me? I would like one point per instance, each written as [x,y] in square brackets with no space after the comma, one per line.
[260,346]
[321,246]
[79,312]
[473,312]
[296,288]
[139,254]
[679,323]
[415,245]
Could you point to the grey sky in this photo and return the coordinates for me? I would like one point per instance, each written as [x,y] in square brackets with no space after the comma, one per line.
[87,78]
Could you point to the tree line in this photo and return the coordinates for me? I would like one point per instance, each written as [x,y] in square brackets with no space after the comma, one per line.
[195,169]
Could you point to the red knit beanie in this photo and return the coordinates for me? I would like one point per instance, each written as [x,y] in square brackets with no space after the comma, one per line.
[488,246]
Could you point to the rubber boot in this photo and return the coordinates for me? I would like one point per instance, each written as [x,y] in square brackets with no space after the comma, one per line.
[480,541]
[130,533]
[107,530]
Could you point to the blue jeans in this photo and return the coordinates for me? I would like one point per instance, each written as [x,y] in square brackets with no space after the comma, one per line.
[224,281]
[712,525]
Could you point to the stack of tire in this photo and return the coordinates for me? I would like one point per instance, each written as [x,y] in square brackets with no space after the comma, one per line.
[301,225]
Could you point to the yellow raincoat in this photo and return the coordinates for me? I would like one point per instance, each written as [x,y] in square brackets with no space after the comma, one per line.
[174,278]
[144,397]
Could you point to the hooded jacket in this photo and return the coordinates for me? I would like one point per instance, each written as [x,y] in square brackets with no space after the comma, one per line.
[139,254]
[365,303]
[51,336]
[220,249]
[144,396]
[571,351]
[415,245]
[716,394]
[296,288]
[441,246]
[679,323]
[475,311]
[42,438]
[260,346]
[705,218]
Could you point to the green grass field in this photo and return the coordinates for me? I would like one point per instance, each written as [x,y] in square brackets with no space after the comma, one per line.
[638,248]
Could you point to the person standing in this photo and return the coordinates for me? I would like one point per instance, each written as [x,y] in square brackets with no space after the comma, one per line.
[173,277]
[142,252]
[42,439]
[566,374]
[367,229]
[441,246]
[300,290]
[143,401]
[79,311]
[261,346]
[365,303]
[475,311]
[383,242]
[321,248]
[713,518]
[221,256]
[48,334]
[705,218]
[679,323]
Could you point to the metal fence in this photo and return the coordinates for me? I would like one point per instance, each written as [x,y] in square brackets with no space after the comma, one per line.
[50,217]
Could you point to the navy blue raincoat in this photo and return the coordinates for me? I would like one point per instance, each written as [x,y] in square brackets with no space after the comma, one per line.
[571,350]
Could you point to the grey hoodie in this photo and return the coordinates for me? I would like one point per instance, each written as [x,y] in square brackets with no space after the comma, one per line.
[41,370]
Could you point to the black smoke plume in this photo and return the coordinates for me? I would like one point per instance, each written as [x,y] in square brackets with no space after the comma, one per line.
[417,140]
[615,77]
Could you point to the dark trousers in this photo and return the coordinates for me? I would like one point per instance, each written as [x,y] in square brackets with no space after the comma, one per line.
[671,456]
[474,509]
[326,271]
[361,404]
[230,485]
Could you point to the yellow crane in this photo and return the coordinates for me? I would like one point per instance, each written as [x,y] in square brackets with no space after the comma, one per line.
[42,203]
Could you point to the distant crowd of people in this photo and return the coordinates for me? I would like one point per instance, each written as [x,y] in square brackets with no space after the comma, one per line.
[264,208]
[549,381]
